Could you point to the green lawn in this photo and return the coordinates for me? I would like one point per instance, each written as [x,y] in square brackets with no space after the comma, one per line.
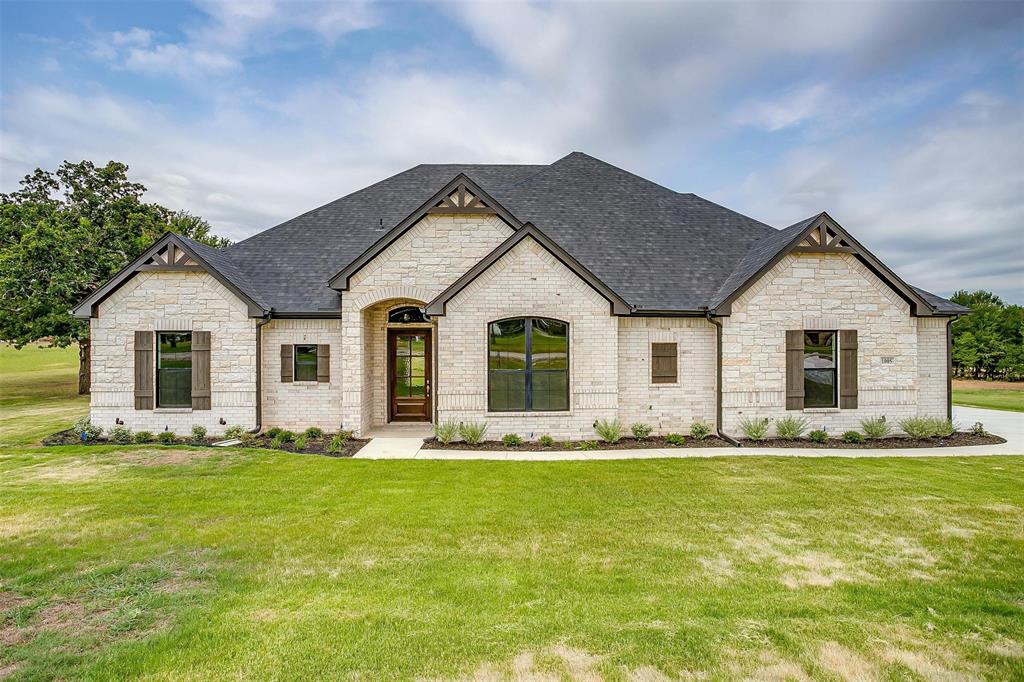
[178,563]
[1002,398]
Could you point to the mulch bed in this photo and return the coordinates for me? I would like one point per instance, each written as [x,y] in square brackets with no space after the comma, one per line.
[313,447]
[956,440]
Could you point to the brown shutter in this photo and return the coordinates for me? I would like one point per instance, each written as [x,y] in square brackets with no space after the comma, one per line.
[794,369]
[848,369]
[323,363]
[664,363]
[143,370]
[287,366]
[200,370]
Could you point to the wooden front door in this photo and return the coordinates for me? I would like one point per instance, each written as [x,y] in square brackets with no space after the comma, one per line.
[409,375]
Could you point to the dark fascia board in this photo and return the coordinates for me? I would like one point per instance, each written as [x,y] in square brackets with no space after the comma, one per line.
[919,306]
[340,281]
[618,305]
[87,308]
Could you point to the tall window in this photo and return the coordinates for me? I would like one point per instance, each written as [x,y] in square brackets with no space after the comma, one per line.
[820,369]
[305,363]
[528,365]
[174,369]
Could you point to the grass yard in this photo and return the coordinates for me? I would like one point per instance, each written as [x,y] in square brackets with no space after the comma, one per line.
[172,563]
[993,395]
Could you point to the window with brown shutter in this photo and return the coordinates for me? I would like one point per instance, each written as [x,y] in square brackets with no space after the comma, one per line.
[848,369]
[200,370]
[323,363]
[664,363]
[286,363]
[143,370]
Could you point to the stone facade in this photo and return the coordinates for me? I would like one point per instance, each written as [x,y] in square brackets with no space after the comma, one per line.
[298,405]
[173,301]
[817,291]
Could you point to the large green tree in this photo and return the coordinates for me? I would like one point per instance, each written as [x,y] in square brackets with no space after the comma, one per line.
[988,343]
[62,235]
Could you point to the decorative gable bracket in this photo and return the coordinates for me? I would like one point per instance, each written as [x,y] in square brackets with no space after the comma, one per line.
[462,200]
[823,239]
[171,258]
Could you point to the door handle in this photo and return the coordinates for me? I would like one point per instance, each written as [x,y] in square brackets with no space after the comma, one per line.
[428,388]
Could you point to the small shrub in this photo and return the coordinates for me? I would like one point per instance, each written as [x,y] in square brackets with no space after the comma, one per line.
[472,432]
[609,431]
[755,429]
[313,433]
[276,443]
[120,434]
[853,437]
[301,442]
[233,432]
[345,435]
[944,428]
[445,432]
[919,427]
[675,439]
[641,431]
[511,440]
[166,437]
[978,429]
[84,426]
[249,440]
[273,431]
[568,445]
[876,427]
[587,445]
[143,436]
[546,441]
[791,427]
[818,436]
[337,443]
[198,434]
[287,436]
[700,430]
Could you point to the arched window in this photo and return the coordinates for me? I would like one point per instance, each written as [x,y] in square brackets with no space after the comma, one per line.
[406,314]
[528,365]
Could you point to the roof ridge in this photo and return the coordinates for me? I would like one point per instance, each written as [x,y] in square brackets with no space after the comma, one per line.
[726,208]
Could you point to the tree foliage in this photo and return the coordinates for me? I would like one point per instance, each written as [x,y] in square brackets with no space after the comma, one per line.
[63,234]
[988,343]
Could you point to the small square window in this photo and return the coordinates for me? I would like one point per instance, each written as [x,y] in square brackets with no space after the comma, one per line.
[305,362]
[664,363]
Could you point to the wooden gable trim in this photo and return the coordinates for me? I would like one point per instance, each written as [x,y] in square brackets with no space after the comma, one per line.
[618,305]
[836,240]
[155,258]
[462,200]
[340,281]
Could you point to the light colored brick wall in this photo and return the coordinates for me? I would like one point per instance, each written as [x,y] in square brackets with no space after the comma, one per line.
[932,366]
[173,301]
[417,267]
[528,281]
[814,291]
[300,404]
[667,407]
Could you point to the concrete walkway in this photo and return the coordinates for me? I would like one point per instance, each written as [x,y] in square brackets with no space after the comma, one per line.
[404,442]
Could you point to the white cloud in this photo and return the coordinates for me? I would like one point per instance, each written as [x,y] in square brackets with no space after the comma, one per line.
[794,107]
[135,36]
[179,60]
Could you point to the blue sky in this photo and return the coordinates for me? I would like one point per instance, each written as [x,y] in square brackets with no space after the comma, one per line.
[904,120]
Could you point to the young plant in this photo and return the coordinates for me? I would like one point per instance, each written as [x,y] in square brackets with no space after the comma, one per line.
[287,436]
[791,428]
[198,434]
[473,432]
[233,432]
[301,442]
[337,443]
[755,429]
[143,436]
[121,435]
[818,436]
[511,440]
[876,427]
[273,431]
[675,439]
[641,431]
[609,431]
[546,441]
[587,445]
[919,427]
[700,430]
[445,432]
[86,430]
[568,445]
[944,428]
[978,429]
[853,437]
[313,433]
[249,440]
[166,437]
[276,443]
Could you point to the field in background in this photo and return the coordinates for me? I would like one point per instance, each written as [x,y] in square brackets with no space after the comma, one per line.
[38,392]
[993,395]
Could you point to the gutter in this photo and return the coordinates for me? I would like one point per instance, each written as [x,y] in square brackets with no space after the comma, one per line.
[259,372]
[718,383]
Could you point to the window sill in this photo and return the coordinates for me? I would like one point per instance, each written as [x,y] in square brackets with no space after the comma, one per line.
[672,384]
[535,413]
[173,410]
[821,410]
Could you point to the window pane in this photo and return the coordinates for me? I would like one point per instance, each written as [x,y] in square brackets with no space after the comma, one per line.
[819,350]
[507,391]
[406,315]
[507,344]
[305,363]
[417,344]
[417,386]
[550,390]
[819,387]
[549,344]
[174,369]
[175,350]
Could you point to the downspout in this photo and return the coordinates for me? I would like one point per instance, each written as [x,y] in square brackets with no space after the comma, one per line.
[718,383]
[259,372]
[949,366]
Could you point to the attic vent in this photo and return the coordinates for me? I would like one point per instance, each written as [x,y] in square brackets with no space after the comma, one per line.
[823,238]
[461,200]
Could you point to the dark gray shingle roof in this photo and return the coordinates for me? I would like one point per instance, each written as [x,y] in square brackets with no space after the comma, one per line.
[656,248]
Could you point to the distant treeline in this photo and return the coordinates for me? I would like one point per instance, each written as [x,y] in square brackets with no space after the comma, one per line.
[989,343]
